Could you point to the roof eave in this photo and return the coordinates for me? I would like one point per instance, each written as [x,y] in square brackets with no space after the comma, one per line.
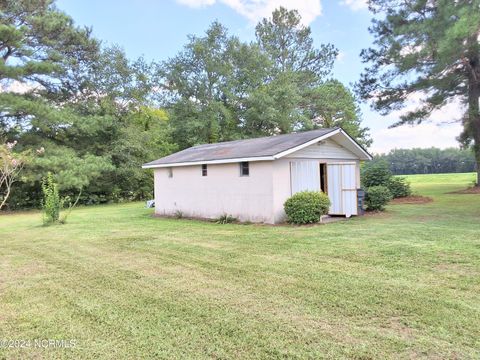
[206,162]
[359,147]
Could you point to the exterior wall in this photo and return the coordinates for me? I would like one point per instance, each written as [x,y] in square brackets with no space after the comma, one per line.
[327,149]
[256,198]
[222,191]
[282,189]
[326,152]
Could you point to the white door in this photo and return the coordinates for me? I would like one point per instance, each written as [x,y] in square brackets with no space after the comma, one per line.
[349,189]
[342,188]
[305,175]
[334,181]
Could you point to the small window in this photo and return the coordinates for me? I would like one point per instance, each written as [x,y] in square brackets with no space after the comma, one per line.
[204,170]
[170,172]
[244,169]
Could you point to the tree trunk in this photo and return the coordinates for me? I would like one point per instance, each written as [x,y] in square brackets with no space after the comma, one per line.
[474,121]
[477,160]
[474,111]
[5,198]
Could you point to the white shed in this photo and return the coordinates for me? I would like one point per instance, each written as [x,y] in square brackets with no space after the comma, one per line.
[251,179]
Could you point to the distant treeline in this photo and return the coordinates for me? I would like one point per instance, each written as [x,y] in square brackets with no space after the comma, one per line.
[429,161]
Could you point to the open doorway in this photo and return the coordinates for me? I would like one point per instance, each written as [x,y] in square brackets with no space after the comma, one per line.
[323,178]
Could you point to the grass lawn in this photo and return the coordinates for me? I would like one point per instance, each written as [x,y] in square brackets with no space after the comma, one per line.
[122,284]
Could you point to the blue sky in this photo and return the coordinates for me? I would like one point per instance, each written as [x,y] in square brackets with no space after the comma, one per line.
[157,29]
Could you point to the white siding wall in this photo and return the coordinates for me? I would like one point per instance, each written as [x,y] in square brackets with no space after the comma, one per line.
[282,186]
[223,191]
[304,176]
[327,152]
[257,198]
[327,149]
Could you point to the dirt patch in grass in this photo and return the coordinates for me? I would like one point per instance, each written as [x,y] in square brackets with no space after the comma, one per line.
[413,199]
[378,214]
[470,190]
[398,326]
[457,269]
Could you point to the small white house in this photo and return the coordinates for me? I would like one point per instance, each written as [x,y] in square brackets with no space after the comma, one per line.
[251,179]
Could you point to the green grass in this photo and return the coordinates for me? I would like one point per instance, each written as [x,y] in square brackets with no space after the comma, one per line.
[403,284]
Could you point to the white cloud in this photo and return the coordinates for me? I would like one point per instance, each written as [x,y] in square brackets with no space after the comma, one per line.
[449,113]
[255,10]
[419,136]
[196,3]
[439,130]
[355,5]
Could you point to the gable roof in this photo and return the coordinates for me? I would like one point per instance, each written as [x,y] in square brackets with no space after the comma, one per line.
[257,149]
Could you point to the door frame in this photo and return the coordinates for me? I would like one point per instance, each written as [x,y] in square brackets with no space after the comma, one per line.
[324,177]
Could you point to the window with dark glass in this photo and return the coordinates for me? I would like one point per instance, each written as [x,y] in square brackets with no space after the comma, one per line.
[244,169]
[204,170]
[170,172]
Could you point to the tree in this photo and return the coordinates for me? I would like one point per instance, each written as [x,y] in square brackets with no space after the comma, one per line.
[104,136]
[280,105]
[219,88]
[331,104]
[274,108]
[42,52]
[206,86]
[10,167]
[196,81]
[46,55]
[289,45]
[429,161]
[427,48]
[80,102]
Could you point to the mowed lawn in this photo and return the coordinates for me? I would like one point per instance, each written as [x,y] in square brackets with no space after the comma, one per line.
[122,284]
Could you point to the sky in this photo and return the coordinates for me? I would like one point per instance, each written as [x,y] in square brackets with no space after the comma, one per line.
[158,29]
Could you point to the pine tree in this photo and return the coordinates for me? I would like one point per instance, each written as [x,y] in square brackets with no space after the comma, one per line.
[42,54]
[429,48]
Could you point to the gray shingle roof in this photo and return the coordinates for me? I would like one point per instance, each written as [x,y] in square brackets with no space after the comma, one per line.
[249,148]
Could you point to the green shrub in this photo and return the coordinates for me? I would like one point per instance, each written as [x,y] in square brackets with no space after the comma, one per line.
[225,219]
[377,197]
[399,187]
[51,203]
[375,173]
[306,207]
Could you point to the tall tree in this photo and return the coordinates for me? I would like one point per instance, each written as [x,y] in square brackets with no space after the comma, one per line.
[297,95]
[219,88]
[289,45]
[41,51]
[105,133]
[42,57]
[274,107]
[207,83]
[90,109]
[332,104]
[428,48]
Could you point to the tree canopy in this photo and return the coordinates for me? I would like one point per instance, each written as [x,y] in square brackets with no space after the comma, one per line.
[428,50]
[429,161]
[219,88]
[97,115]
